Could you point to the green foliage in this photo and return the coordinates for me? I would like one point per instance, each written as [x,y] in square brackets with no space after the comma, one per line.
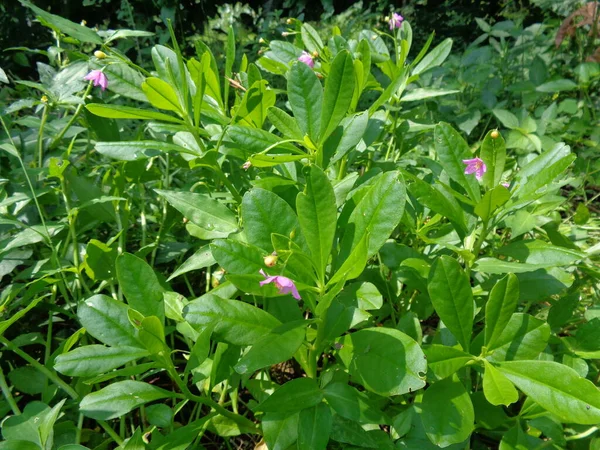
[296,253]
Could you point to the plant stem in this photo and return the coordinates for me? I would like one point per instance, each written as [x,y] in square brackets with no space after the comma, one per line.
[41,368]
[60,135]
[8,395]
[41,137]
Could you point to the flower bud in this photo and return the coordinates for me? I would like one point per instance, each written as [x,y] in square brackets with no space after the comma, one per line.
[271,260]
[99,54]
[246,165]
[262,41]
[44,99]
[315,54]
[495,134]
[289,21]
[285,34]
[83,23]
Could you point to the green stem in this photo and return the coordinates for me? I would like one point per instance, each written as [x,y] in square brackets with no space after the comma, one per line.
[41,137]
[60,135]
[8,395]
[41,368]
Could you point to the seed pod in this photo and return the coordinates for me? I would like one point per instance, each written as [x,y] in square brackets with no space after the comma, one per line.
[495,134]
[99,54]
[270,260]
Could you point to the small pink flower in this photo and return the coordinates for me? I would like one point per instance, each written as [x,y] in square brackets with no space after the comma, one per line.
[506,185]
[476,166]
[307,59]
[284,284]
[98,78]
[396,21]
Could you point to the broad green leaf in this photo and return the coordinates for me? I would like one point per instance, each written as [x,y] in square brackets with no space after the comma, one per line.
[493,265]
[135,150]
[353,130]
[354,264]
[527,190]
[541,162]
[506,118]
[199,260]
[140,286]
[311,39]
[270,160]
[278,346]
[127,112]
[117,399]
[523,337]
[305,95]
[280,431]
[557,86]
[255,103]
[125,81]
[435,57]
[377,214]
[586,342]
[317,214]
[423,93]
[557,388]
[93,360]
[492,200]
[314,427]
[445,361]
[161,95]
[234,321]
[339,88]
[253,140]
[517,439]
[293,396]
[452,149]
[493,154]
[352,404]
[450,292]
[64,26]
[106,319]
[385,361]
[448,415]
[500,306]
[265,213]
[438,200]
[166,64]
[497,388]
[100,260]
[202,210]
[541,253]
[236,257]
[389,91]
[350,432]
[284,123]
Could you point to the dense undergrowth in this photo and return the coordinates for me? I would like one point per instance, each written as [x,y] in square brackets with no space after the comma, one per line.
[339,241]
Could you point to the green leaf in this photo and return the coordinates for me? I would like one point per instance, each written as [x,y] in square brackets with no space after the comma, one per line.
[452,150]
[93,360]
[254,140]
[237,258]
[506,118]
[202,210]
[314,427]
[354,264]
[161,95]
[450,292]
[435,57]
[127,112]
[390,90]
[423,93]
[500,306]
[117,399]
[293,396]
[493,154]
[135,150]
[252,111]
[349,432]
[65,26]
[310,37]
[100,260]
[445,361]
[523,337]
[305,95]
[125,81]
[265,213]
[140,286]
[492,200]
[557,86]
[377,214]
[284,123]
[278,346]
[270,160]
[199,260]
[280,431]
[352,404]
[385,361]
[234,321]
[497,388]
[541,253]
[106,319]
[493,265]
[339,88]
[448,415]
[557,388]
[317,214]
[438,200]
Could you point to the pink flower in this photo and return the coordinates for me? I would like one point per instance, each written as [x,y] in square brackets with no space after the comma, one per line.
[396,21]
[98,78]
[476,166]
[284,284]
[307,59]
[506,185]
